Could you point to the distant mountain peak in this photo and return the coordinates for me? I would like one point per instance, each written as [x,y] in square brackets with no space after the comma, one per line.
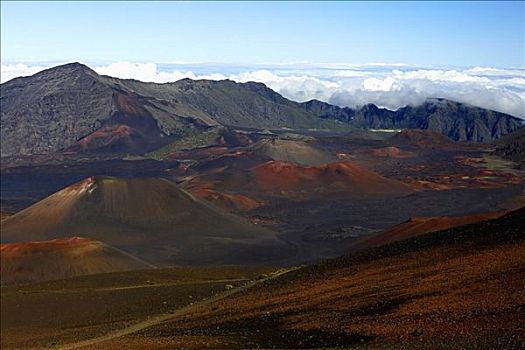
[76,65]
[70,68]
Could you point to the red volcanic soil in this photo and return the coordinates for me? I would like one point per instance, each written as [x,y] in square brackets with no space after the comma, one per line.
[61,258]
[118,132]
[152,219]
[130,129]
[419,225]
[340,176]
[228,201]
[391,152]
[128,104]
[105,136]
[460,288]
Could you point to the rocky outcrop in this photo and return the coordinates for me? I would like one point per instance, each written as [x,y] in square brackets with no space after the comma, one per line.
[52,110]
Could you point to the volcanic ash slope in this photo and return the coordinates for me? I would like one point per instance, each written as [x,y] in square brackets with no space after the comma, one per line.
[149,218]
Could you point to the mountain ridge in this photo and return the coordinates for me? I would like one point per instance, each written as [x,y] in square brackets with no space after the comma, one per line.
[61,108]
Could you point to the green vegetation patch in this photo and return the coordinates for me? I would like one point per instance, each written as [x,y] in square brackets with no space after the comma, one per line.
[192,140]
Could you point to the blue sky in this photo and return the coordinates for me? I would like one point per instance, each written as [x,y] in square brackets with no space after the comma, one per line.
[471,52]
[415,33]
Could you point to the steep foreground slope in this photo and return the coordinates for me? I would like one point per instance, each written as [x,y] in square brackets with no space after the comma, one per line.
[458,288]
[71,107]
[61,258]
[148,218]
[48,315]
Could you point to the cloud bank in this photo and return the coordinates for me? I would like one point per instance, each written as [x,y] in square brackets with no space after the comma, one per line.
[387,85]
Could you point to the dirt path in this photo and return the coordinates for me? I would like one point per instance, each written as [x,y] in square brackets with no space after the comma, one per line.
[152,321]
[173,284]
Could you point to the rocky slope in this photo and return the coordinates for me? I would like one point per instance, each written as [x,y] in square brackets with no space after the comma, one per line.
[456,288]
[458,121]
[70,107]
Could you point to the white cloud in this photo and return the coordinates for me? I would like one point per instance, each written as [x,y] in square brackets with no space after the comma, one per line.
[395,88]
[295,87]
[149,72]
[350,73]
[411,87]
[495,71]
[438,75]
[10,71]
[375,84]
[387,85]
